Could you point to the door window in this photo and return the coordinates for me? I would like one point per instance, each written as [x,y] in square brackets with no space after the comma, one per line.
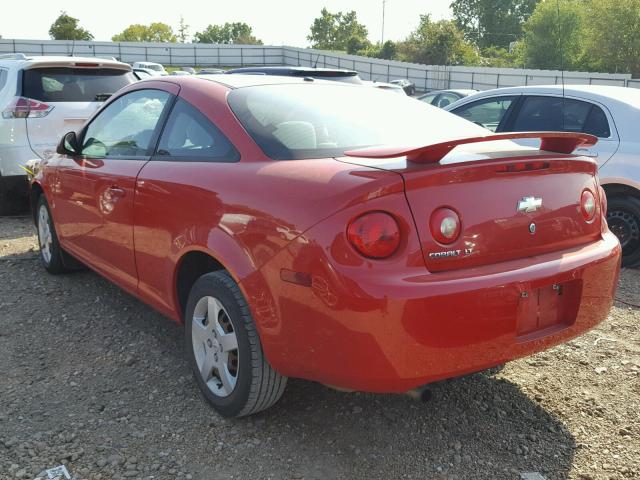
[126,126]
[546,114]
[488,112]
[189,135]
[3,78]
[446,99]
[428,98]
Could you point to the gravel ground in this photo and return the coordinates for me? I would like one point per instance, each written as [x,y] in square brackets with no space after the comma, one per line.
[97,381]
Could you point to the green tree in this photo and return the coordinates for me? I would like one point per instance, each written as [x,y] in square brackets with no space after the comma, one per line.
[155,32]
[437,43]
[183,30]
[490,23]
[237,32]
[66,28]
[553,40]
[612,40]
[336,31]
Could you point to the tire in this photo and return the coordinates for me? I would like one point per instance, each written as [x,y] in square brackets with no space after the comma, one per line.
[51,255]
[250,385]
[623,217]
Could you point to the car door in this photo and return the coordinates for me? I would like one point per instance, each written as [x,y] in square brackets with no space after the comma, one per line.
[557,113]
[94,191]
[491,112]
[177,200]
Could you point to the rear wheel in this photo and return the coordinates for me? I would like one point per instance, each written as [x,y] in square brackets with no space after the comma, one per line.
[623,217]
[224,349]
[51,255]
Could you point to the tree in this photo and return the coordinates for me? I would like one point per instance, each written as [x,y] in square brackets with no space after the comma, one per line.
[490,23]
[553,41]
[612,40]
[237,32]
[155,32]
[437,43]
[66,28]
[183,30]
[335,31]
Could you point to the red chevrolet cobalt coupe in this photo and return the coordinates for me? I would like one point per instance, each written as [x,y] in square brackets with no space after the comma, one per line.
[303,228]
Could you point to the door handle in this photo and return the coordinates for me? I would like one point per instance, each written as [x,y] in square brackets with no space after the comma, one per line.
[587,152]
[116,192]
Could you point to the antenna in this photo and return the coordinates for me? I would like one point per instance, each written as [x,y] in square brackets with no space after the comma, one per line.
[315,65]
[384,4]
[561,48]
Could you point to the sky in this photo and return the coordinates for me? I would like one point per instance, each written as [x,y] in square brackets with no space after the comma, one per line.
[276,22]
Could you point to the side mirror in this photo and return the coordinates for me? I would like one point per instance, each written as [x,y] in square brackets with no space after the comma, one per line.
[69,145]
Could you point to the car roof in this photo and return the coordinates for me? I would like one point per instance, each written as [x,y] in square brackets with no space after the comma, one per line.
[285,70]
[26,62]
[602,93]
[242,81]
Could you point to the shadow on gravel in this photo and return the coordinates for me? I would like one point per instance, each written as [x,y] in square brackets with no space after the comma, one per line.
[111,375]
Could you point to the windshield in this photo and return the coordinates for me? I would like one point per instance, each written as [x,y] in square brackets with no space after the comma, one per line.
[318,121]
[61,84]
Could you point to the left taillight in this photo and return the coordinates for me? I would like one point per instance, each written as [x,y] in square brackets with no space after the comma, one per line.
[22,107]
[374,235]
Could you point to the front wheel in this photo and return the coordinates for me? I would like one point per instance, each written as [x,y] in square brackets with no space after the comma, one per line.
[623,217]
[224,349]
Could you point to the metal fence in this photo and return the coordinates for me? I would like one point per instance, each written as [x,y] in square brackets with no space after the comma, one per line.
[426,77]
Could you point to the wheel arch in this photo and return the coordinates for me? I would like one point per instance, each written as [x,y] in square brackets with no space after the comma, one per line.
[35,191]
[620,189]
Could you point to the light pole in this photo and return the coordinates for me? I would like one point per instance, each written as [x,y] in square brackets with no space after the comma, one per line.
[384,4]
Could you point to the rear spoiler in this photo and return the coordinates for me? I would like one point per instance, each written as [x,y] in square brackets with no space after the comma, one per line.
[558,142]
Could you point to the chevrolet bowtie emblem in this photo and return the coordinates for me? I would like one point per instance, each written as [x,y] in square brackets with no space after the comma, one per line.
[529,204]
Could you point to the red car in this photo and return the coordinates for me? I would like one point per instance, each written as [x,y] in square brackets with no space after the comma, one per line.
[302,228]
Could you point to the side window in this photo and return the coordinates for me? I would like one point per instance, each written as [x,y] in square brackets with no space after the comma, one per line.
[126,126]
[428,98]
[597,123]
[555,114]
[446,99]
[189,135]
[488,112]
[3,78]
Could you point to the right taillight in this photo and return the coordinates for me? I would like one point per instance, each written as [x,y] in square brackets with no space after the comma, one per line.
[22,107]
[588,205]
[445,225]
[374,235]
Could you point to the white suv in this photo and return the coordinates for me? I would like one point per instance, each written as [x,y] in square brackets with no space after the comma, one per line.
[41,98]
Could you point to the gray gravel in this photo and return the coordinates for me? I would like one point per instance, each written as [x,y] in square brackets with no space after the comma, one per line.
[93,379]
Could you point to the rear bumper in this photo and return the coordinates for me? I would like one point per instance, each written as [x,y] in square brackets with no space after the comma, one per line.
[386,334]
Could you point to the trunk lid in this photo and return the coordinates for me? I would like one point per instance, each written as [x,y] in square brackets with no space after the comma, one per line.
[486,193]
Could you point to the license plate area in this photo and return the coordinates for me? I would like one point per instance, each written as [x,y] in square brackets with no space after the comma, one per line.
[546,309]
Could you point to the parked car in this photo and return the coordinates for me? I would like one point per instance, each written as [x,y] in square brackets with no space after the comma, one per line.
[189,70]
[444,98]
[299,230]
[334,74]
[407,85]
[389,87]
[41,98]
[210,71]
[610,113]
[156,67]
[142,73]
[179,73]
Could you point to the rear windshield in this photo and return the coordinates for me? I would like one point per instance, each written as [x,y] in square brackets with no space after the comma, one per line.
[62,84]
[301,121]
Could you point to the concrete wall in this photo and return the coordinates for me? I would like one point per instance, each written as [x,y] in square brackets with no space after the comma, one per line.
[426,77]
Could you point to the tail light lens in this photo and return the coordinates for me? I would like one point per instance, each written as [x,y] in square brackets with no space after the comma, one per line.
[588,205]
[603,201]
[22,107]
[445,225]
[374,235]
